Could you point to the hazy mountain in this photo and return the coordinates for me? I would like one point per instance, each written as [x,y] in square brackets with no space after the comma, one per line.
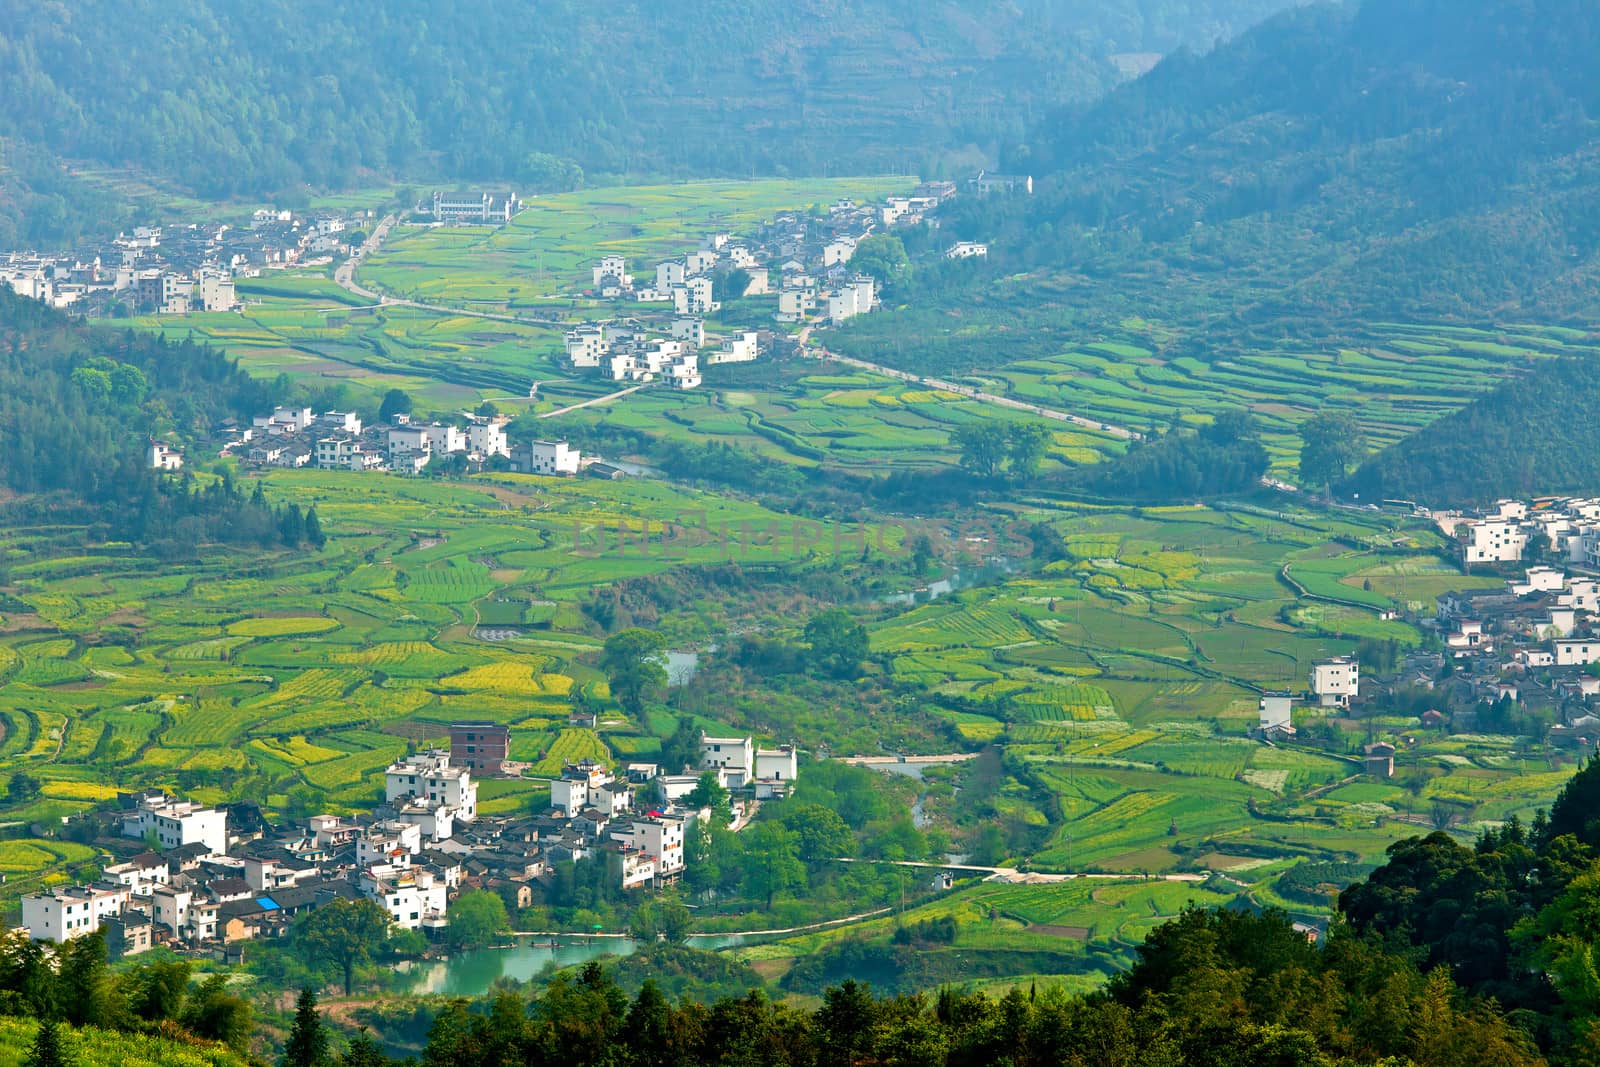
[224,98]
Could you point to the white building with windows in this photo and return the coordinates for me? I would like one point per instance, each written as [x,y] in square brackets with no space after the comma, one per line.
[615,268]
[1576,651]
[967,250]
[556,458]
[175,823]
[159,457]
[779,764]
[429,776]
[64,913]
[1335,681]
[744,348]
[414,899]
[488,438]
[733,758]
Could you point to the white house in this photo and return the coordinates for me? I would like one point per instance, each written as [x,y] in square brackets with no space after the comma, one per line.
[1335,681]
[693,296]
[689,329]
[661,839]
[429,775]
[141,875]
[64,913]
[577,786]
[1276,712]
[586,345]
[683,373]
[779,764]
[700,261]
[733,758]
[967,250]
[488,438]
[547,457]
[1494,540]
[760,282]
[1576,651]
[393,842]
[615,268]
[176,823]
[412,898]
[670,273]
[339,422]
[160,457]
[838,252]
[741,349]
[188,917]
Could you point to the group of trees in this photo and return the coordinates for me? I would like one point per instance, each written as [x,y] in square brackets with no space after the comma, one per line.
[1224,456]
[77,986]
[78,407]
[990,448]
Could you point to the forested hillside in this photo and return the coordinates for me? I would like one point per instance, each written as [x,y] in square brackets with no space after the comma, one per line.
[1534,435]
[1400,157]
[77,409]
[222,98]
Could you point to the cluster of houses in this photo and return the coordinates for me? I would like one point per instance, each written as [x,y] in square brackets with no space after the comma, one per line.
[624,350]
[176,270]
[338,440]
[1534,640]
[1565,527]
[205,881]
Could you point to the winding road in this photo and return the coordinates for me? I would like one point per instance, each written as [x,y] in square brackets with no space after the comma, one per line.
[968,391]
[345,277]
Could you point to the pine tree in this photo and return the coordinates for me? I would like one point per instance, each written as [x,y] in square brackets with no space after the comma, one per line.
[314,535]
[47,1050]
[308,1041]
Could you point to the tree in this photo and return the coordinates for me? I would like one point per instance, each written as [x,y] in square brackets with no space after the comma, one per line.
[822,834]
[883,255]
[984,445]
[666,920]
[838,643]
[364,1052]
[477,919]
[307,1045]
[345,933]
[771,861]
[632,662]
[47,1050]
[1331,443]
[1026,444]
[212,1013]
[23,788]
[395,402]
[682,748]
[708,792]
[314,535]
[157,990]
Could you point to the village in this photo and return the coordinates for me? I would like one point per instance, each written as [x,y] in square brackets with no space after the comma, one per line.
[204,880]
[798,261]
[1517,658]
[178,270]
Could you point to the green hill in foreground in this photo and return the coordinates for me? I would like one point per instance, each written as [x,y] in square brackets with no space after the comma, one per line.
[1532,435]
[90,1047]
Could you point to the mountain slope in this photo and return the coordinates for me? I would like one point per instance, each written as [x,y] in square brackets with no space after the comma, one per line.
[1533,435]
[1415,156]
[226,98]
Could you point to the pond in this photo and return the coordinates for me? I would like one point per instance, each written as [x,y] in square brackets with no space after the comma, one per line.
[682,665]
[987,574]
[471,974]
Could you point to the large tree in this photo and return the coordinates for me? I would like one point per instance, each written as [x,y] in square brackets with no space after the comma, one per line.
[1331,443]
[345,933]
[772,861]
[477,919]
[633,664]
[838,643]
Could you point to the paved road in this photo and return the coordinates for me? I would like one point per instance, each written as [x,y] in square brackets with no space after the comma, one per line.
[975,394]
[1012,876]
[590,403]
[345,276]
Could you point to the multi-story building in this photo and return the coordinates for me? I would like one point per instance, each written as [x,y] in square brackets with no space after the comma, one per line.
[175,823]
[733,758]
[488,438]
[64,913]
[475,207]
[414,899]
[1335,681]
[480,745]
[546,457]
[429,776]
[614,268]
